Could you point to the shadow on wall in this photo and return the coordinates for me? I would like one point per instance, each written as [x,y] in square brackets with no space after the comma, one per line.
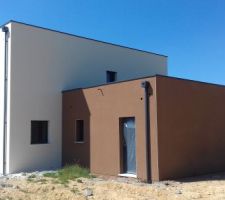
[76,120]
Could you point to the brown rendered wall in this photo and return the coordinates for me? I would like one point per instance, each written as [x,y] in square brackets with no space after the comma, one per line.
[191,128]
[75,107]
[187,127]
[101,108]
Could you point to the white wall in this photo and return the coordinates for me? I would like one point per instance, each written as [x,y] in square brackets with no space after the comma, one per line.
[2,53]
[43,64]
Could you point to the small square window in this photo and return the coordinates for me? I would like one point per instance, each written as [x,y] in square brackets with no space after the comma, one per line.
[39,132]
[111,76]
[79,131]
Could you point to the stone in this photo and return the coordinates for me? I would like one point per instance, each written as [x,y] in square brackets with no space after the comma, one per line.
[178,192]
[16,187]
[5,185]
[87,192]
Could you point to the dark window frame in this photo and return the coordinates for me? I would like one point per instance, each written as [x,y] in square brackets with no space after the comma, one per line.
[79,131]
[39,132]
[111,76]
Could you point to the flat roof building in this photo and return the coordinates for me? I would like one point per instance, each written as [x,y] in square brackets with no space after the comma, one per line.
[36,65]
[104,128]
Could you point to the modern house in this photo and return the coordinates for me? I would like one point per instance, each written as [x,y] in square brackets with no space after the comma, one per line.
[67,99]
[36,65]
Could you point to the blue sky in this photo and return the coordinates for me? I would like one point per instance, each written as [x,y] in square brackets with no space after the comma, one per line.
[190,32]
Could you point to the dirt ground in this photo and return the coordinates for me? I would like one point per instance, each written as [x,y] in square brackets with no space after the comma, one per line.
[38,187]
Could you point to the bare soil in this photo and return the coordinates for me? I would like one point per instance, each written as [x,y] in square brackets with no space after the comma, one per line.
[38,187]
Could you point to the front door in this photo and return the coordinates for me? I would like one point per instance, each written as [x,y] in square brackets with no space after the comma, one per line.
[129,145]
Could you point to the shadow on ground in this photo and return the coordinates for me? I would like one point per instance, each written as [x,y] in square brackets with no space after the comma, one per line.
[208,177]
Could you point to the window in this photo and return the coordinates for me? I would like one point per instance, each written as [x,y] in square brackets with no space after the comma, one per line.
[111,76]
[79,131]
[39,132]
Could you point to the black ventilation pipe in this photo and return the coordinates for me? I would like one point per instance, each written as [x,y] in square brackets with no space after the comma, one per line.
[146,86]
[6,31]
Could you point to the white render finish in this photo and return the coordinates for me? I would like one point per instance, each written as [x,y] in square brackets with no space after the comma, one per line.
[42,64]
[5,106]
[2,56]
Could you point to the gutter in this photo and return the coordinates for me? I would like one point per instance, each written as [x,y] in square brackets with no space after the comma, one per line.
[146,85]
[5,29]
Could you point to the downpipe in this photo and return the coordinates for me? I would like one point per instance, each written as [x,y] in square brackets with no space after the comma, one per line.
[146,85]
[6,31]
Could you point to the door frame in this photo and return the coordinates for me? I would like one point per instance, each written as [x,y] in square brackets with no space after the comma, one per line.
[121,120]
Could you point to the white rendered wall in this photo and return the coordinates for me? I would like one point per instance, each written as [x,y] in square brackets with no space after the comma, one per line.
[43,64]
[2,53]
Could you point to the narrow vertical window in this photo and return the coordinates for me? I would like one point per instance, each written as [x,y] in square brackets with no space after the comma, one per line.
[111,76]
[79,135]
[39,132]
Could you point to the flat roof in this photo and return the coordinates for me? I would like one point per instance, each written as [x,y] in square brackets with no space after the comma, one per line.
[144,77]
[82,37]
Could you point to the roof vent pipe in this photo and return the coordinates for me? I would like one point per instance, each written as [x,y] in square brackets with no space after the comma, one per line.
[146,85]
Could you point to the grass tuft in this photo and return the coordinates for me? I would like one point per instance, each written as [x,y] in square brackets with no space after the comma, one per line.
[32,176]
[51,175]
[70,172]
